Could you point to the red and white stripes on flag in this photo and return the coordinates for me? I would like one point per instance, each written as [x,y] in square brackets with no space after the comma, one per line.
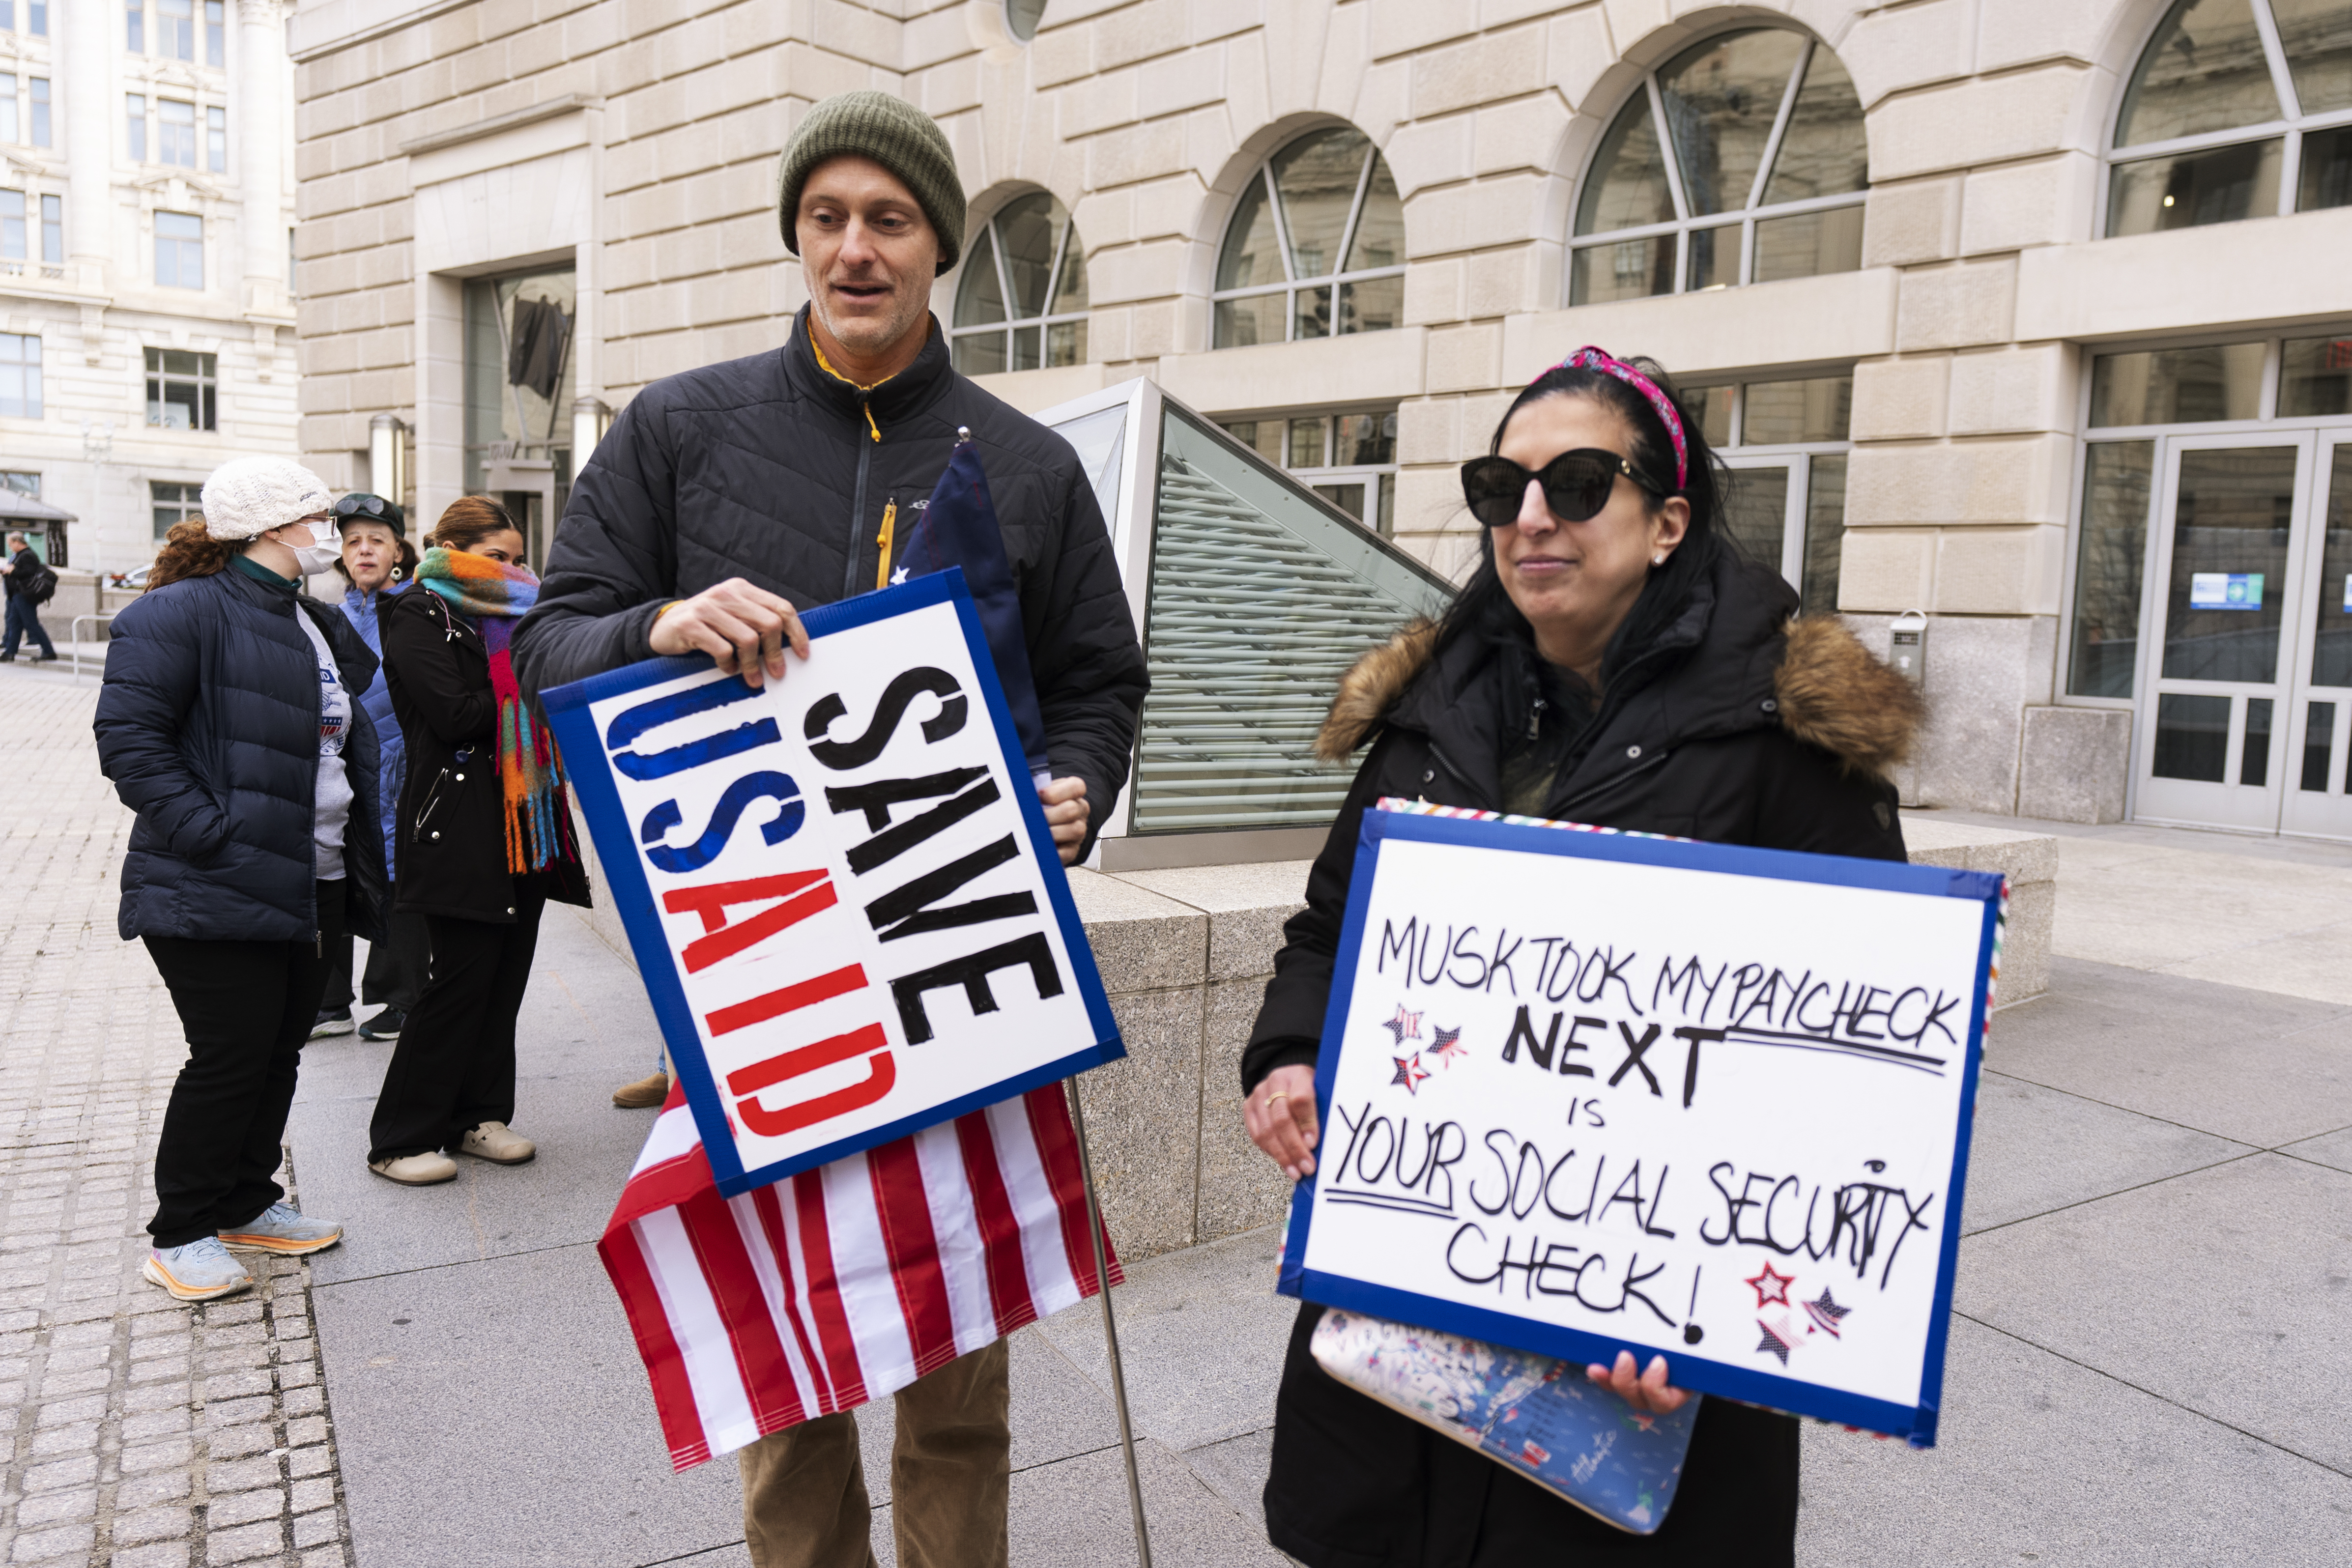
[846,1282]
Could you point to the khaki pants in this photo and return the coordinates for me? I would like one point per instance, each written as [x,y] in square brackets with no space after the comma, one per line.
[804,1503]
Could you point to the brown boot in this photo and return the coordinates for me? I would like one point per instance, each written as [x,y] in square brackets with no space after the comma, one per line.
[645,1093]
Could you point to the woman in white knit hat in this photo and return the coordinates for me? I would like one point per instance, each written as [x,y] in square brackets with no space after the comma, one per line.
[228,722]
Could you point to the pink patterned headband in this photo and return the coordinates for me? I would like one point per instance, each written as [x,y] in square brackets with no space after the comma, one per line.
[1591,358]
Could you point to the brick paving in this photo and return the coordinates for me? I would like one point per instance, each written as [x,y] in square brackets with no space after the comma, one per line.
[134,1431]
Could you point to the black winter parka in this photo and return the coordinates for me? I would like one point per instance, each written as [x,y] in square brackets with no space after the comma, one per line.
[773,469]
[1746,728]
[208,726]
[451,844]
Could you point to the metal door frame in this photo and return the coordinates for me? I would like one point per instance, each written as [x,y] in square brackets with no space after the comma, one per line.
[2325,445]
[2155,607]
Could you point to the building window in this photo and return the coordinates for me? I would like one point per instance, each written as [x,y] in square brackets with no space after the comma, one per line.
[176,30]
[11,127]
[38,92]
[215,32]
[134,14]
[1348,459]
[216,140]
[174,504]
[20,376]
[1317,220]
[135,111]
[520,379]
[37,19]
[52,230]
[1786,444]
[1762,178]
[1021,300]
[12,236]
[179,251]
[180,390]
[2139,398]
[175,132]
[2237,108]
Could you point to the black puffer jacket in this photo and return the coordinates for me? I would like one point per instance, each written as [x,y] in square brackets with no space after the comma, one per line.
[772,469]
[208,726]
[452,844]
[1746,728]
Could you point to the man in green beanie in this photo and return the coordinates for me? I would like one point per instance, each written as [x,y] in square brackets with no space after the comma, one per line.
[726,499]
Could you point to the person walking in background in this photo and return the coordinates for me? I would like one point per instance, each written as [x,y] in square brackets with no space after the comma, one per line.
[25,571]
[484,839]
[378,562]
[228,723]
[722,501]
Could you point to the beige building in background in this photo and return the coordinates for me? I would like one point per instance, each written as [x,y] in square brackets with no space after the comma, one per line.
[146,227]
[2082,406]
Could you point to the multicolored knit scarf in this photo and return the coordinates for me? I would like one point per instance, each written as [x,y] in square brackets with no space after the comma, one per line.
[494,596]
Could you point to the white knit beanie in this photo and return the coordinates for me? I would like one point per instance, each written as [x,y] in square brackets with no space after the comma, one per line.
[250,496]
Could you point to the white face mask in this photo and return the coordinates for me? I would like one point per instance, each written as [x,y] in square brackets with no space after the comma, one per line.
[322,553]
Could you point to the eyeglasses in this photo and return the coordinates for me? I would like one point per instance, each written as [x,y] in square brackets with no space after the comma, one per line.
[1576,485]
[358,504]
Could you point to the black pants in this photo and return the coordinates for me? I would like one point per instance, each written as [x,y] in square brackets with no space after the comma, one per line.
[396,968]
[455,1065]
[24,617]
[247,1008]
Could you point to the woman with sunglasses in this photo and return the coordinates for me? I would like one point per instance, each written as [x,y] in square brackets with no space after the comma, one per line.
[1613,659]
[378,562]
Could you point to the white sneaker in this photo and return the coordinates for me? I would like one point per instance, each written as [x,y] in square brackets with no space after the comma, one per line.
[494,1142]
[198,1271]
[426,1169]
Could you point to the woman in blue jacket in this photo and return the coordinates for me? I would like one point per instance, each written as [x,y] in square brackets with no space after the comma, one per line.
[228,723]
[378,563]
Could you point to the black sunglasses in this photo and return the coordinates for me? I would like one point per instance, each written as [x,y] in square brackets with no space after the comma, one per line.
[1576,485]
[356,503]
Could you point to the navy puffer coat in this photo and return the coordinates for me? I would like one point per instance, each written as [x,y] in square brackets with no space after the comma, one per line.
[208,726]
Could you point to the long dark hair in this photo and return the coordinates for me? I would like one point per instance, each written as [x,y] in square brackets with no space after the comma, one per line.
[1485,610]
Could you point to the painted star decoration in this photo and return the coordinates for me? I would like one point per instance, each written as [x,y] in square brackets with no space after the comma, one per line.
[1826,1315]
[1771,1286]
[1409,1071]
[1447,1047]
[1774,1339]
[1405,1026]
[898,577]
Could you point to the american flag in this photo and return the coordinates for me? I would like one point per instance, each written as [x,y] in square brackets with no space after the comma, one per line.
[848,1282]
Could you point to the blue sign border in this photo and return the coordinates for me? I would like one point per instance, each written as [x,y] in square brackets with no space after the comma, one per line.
[625,875]
[1691,1370]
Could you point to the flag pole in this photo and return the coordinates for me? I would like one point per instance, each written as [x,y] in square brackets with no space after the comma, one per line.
[1110,1334]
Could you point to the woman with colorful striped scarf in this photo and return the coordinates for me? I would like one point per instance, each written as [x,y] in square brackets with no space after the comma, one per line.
[485,840]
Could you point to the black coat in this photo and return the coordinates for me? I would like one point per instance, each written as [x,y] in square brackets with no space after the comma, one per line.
[767,468]
[208,726]
[1750,730]
[452,845]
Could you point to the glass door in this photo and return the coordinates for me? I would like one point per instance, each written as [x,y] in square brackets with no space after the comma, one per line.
[2318,782]
[2230,612]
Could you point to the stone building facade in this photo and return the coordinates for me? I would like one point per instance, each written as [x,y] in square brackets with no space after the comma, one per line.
[1980,363]
[146,226]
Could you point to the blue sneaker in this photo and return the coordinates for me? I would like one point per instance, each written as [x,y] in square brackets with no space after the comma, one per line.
[281,1228]
[197,1272]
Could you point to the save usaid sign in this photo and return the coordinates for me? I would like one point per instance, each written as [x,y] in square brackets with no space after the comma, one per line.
[1584,1091]
[841,891]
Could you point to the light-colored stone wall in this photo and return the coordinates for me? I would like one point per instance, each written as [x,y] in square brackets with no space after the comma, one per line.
[98,310]
[1965,329]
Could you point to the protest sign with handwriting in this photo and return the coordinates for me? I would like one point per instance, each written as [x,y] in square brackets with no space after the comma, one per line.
[1586,1091]
[841,891]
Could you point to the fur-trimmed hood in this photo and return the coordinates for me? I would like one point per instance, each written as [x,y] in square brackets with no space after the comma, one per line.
[1828,690]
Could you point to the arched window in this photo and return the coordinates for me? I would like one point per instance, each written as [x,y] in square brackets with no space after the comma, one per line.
[1021,300]
[1321,216]
[2239,109]
[1762,177]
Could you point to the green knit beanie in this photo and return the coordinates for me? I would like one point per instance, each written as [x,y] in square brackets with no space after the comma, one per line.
[895,134]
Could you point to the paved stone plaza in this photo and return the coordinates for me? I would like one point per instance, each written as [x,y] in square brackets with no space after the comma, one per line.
[2147,1365]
